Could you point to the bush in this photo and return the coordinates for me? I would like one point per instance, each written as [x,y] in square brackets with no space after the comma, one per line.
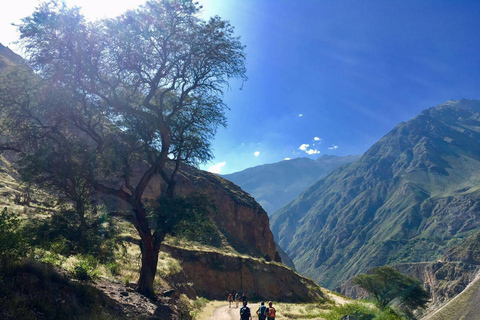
[114,268]
[197,306]
[12,241]
[62,233]
[361,312]
[86,268]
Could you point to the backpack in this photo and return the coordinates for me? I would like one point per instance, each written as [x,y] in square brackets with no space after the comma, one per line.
[262,312]
[244,313]
[271,312]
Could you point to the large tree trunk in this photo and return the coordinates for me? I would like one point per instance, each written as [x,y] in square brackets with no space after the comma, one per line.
[150,247]
[149,267]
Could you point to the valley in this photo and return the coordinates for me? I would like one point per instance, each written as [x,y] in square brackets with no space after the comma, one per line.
[118,192]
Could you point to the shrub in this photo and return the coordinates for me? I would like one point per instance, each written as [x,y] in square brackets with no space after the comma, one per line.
[12,241]
[197,306]
[361,312]
[86,268]
[62,233]
[114,268]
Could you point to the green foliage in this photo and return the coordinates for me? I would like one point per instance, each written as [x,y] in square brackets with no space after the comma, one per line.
[386,285]
[12,241]
[50,257]
[145,87]
[86,268]
[114,268]
[197,306]
[361,312]
[186,217]
[64,232]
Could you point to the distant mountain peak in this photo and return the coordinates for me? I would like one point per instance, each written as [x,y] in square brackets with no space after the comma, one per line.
[412,193]
[275,184]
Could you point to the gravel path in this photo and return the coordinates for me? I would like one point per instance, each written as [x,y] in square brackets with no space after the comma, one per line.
[226,313]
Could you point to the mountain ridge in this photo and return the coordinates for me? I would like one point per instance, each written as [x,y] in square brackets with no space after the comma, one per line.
[397,203]
[275,184]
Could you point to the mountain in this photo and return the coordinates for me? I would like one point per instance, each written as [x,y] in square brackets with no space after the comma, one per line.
[274,185]
[411,195]
[9,58]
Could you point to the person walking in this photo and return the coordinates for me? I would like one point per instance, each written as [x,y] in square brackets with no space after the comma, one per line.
[245,313]
[271,311]
[230,300]
[237,299]
[244,297]
[262,311]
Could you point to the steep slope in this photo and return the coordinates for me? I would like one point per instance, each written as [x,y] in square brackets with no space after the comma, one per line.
[8,57]
[404,200]
[274,185]
[464,306]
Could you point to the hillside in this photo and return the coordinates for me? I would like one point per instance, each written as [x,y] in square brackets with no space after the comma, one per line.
[274,185]
[411,195]
[8,57]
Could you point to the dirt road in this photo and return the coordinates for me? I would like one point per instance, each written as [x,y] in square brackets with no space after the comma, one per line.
[226,313]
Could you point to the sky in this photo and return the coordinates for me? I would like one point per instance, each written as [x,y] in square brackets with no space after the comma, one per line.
[326,77]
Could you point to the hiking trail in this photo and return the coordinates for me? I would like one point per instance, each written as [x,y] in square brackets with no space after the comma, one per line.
[226,313]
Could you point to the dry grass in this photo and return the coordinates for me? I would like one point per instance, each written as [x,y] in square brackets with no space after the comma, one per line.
[207,311]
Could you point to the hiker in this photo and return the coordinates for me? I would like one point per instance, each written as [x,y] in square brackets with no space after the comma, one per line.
[270,311]
[262,311]
[244,297]
[230,300]
[237,299]
[245,313]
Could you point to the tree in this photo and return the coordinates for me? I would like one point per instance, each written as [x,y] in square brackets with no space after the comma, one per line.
[387,286]
[118,102]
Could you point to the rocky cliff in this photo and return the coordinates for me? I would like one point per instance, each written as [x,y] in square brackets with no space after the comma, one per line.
[238,216]
[214,275]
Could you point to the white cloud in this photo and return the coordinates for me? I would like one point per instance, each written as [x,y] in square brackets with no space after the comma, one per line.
[317,139]
[300,115]
[217,168]
[332,147]
[256,153]
[303,147]
[286,159]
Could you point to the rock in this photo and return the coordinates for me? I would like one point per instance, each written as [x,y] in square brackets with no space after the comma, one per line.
[215,275]
[173,294]
[124,293]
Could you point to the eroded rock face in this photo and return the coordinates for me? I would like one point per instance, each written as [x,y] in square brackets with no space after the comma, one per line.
[237,215]
[215,275]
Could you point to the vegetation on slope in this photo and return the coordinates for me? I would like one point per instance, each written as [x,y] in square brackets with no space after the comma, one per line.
[410,196]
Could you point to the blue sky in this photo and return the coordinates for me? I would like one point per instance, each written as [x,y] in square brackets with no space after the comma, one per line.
[333,75]
[352,69]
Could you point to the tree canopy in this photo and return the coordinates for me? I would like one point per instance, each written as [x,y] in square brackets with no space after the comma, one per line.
[387,286]
[112,103]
